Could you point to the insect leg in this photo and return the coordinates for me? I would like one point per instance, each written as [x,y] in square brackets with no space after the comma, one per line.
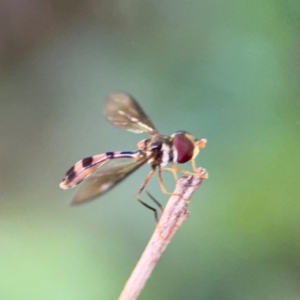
[193,162]
[173,172]
[161,183]
[199,144]
[196,173]
[155,201]
[164,189]
[150,175]
[175,166]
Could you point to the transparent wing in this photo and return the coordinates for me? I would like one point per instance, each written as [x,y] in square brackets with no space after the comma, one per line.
[107,177]
[124,112]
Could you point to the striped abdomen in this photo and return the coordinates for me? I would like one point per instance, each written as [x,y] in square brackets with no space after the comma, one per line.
[85,167]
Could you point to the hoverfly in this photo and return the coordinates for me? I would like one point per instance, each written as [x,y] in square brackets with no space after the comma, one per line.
[124,112]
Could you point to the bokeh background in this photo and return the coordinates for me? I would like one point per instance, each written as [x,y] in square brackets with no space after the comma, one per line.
[227,71]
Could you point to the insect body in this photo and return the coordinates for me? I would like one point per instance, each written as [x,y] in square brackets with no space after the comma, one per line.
[102,172]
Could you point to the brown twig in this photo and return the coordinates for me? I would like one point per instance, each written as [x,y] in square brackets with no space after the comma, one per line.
[174,215]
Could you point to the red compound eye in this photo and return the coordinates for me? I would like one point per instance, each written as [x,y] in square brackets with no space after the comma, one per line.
[184,147]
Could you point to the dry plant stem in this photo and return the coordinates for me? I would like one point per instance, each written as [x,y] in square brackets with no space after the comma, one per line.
[174,215]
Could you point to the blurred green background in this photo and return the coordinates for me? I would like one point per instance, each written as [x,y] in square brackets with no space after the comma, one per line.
[227,71]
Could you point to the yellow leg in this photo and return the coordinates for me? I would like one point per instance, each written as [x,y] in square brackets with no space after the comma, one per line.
[173,172]
[175,166]
[161,183]
[193,162]
[150,175]
[195,173]
[164,189]
[148,178]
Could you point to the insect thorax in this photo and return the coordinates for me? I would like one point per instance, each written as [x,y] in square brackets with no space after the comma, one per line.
[160,149]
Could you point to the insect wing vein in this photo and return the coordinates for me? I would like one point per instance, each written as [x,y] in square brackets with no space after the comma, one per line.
[124,112]
[105,178]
